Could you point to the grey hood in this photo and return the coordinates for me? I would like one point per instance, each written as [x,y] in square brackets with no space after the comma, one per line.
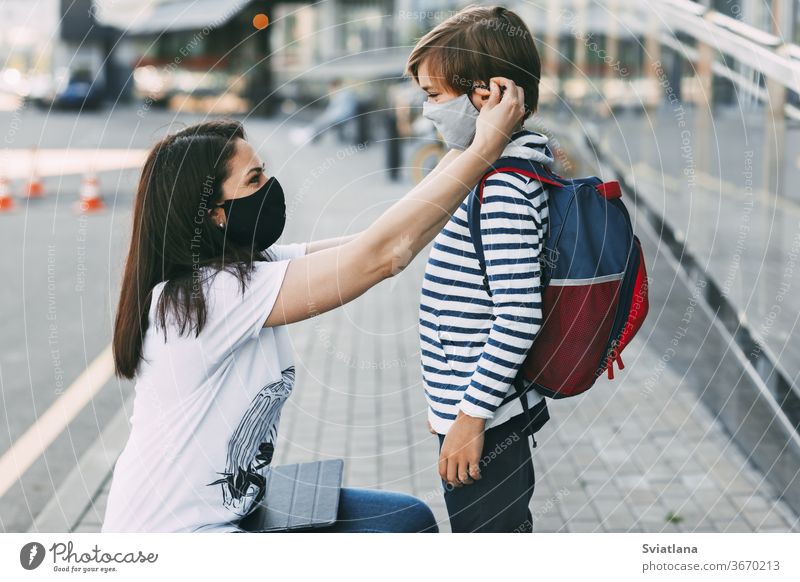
[529,145]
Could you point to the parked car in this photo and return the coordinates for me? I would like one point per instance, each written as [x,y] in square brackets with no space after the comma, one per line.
[79,94]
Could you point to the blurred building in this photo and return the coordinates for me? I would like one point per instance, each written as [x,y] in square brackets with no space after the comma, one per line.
[207,54]
[210,49]
[49,45]
[28,33]
[28,41]
[192,54]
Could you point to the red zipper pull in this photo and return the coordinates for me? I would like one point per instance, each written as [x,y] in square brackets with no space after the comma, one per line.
[611,370]
[619,362]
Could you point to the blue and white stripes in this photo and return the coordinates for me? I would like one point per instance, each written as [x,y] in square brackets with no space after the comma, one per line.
[472,344]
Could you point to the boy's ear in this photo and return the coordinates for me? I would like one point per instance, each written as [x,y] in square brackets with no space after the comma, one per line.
[480,93]
[481,89]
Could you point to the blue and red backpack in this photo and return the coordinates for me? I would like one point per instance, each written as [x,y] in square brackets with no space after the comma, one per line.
[594,297]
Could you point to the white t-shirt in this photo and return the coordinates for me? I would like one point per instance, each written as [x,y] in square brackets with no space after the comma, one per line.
[206,411]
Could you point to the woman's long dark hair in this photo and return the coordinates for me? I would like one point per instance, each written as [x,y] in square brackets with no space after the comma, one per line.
[173,236]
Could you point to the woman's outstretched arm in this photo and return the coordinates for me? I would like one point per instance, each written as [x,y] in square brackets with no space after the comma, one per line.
[324,280]
[315,246]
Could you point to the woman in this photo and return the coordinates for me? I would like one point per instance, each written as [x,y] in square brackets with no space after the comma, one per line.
[206,295]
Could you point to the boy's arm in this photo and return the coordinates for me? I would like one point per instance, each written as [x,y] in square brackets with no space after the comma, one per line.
[512,244]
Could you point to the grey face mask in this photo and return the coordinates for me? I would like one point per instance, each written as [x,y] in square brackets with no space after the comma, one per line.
[454,119]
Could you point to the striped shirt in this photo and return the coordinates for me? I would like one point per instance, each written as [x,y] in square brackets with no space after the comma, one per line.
[472,343]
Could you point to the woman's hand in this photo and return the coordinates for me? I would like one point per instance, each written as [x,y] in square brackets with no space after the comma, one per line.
[499,116]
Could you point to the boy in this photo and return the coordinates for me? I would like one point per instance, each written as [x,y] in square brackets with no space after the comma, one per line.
[473,340]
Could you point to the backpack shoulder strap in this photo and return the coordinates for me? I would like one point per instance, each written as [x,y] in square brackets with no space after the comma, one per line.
[527,168]
[474,225]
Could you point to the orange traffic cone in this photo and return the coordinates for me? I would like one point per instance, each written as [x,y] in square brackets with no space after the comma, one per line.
[6,201]
[90,201]
[34,188]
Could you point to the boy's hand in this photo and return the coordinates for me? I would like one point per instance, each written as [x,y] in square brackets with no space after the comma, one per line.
[461,451]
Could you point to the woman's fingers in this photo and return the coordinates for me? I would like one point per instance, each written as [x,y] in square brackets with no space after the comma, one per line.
[494,95]
[510,89]
[499,115]
[500,88]
[503,82]
[513,97]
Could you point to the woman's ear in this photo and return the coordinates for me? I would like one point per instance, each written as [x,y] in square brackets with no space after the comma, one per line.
[217,214]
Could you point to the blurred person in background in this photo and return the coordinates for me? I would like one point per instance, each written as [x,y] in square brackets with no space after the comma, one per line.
[343,107]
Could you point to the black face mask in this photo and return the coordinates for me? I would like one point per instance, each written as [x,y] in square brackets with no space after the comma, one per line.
[257,220]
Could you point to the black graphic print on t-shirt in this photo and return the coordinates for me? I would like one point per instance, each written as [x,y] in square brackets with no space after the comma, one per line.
[252,445]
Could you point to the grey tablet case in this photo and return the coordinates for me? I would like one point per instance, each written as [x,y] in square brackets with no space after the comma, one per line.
[303,495]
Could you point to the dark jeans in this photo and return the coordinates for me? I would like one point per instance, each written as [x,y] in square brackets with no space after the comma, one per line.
[498,502]
[375,511]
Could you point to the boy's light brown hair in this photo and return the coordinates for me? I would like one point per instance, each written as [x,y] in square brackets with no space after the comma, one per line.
[478,43]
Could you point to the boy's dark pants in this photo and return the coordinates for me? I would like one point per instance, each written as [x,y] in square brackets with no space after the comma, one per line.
[498,502]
